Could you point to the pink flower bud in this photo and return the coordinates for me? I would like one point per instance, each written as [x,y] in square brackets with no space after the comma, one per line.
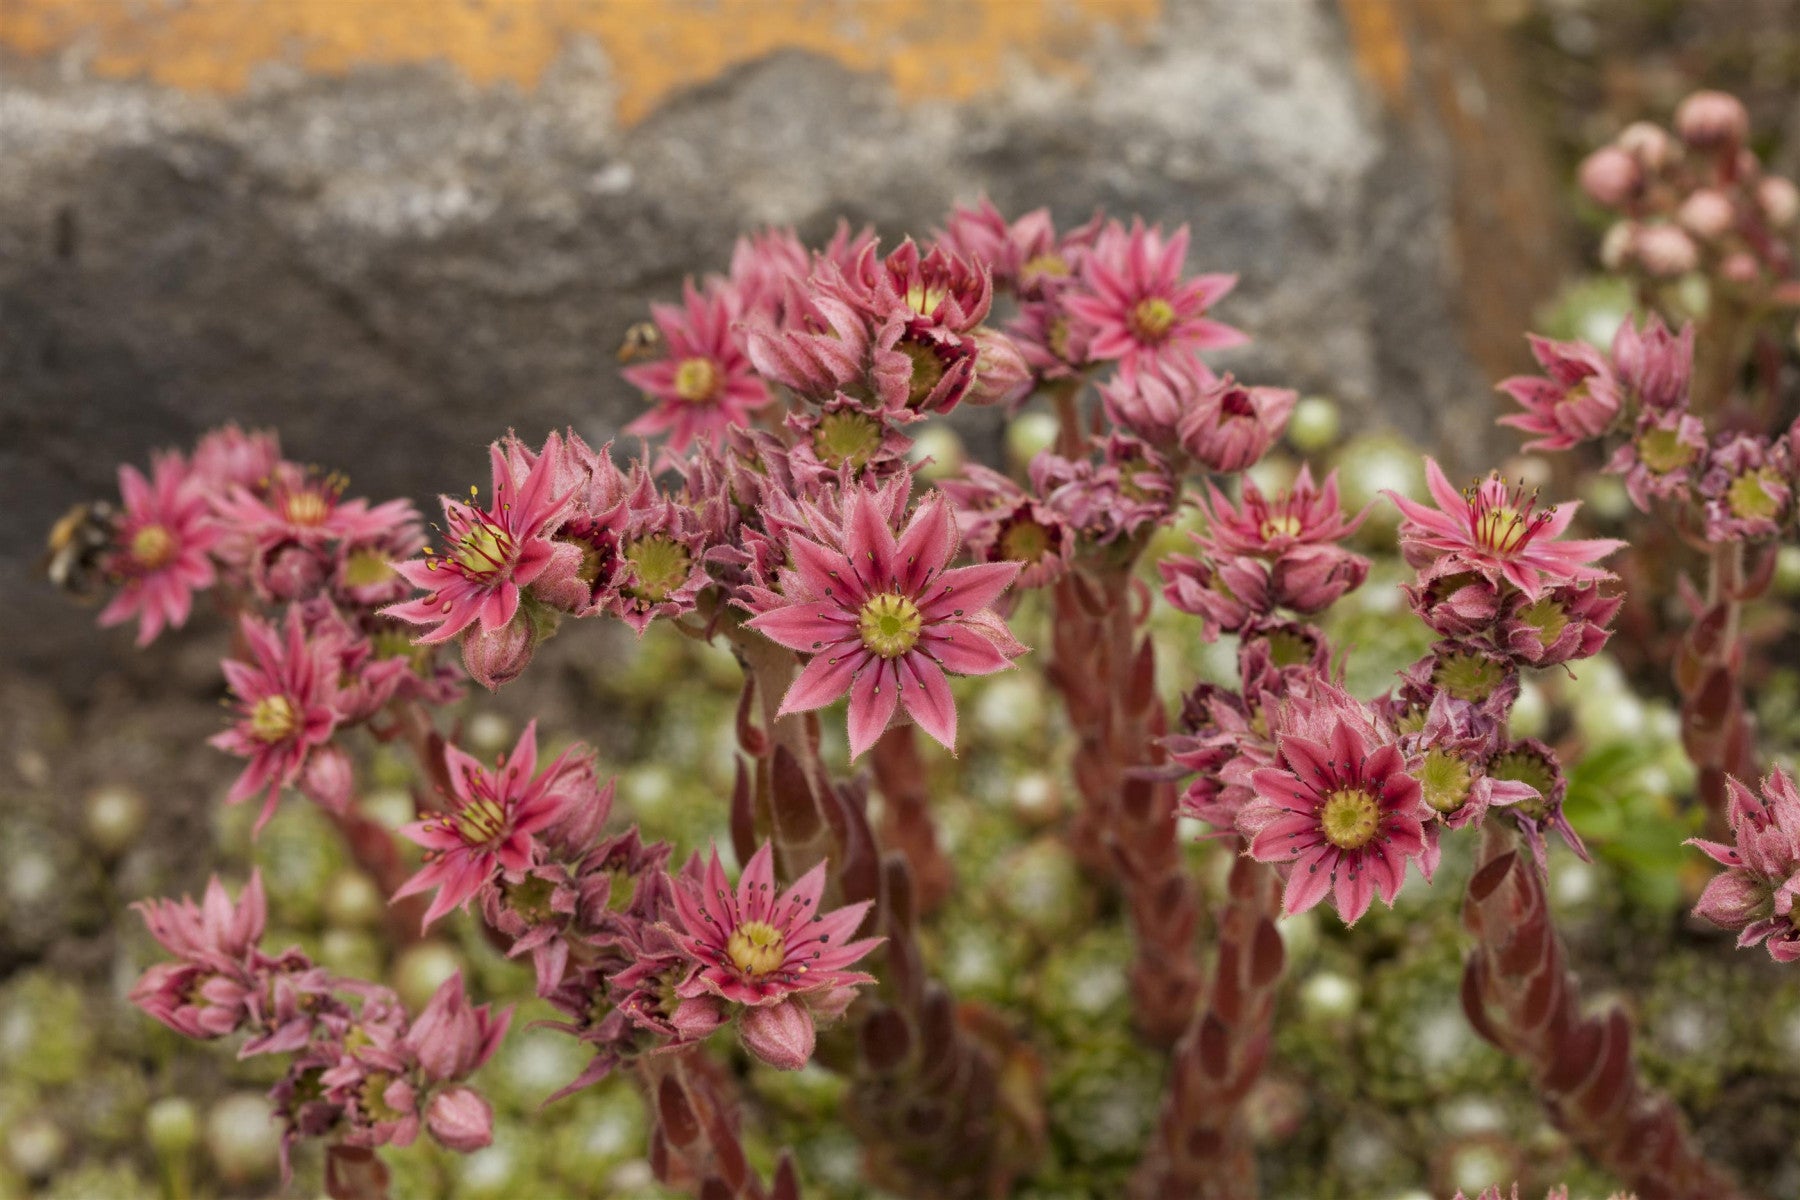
[1708,214]
[694,1019]
[1740,268]
[1615,246]
[329,779]
[294,572]
[1712,121]
[1650,145]
[460,1119]
[1231,426]
[779,1034]
[1002,376]
[1779,200]
[1611,176]
[1733,899]
[499,657]
[1665,251]
[451,1038]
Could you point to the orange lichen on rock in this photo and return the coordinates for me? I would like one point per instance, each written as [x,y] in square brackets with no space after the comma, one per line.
[942,49]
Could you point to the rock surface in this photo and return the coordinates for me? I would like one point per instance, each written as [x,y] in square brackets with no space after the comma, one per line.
[394,266]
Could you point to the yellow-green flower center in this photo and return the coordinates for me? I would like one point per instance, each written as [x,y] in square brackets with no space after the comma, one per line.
[696,380]
[530,898]
[1024,541]
[924,298]
[1502,528]
[483,550]
[756,948]
[480,821]
[273,719]
[1152,318]
[305,507]
[1444,780]
[1524,766]
[366,568]
[927,370]
[1291,648]
[660,565]
[1469,677]
[1752,498]
[1547,618]
[1350,818]
[846,437]
[1045,264]
[1285,525]
[1662,450]
[889,624]
[152,546]
[374,1100]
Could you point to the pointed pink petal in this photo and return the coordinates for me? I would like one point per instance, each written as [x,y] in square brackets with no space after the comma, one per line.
[823,680]
[873,698]
[926,694]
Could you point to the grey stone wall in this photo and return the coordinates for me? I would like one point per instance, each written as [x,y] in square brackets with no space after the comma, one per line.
[394,267]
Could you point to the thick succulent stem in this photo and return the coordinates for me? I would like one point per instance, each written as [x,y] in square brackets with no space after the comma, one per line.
[926,1096]
[694,1142]
[906,822]
[1520,995]
[1105,670]
[1202,1149]
[1716,728]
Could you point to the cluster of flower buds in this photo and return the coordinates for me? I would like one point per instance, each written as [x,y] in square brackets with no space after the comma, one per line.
[1697,199]
[1758,893]
[362,1073]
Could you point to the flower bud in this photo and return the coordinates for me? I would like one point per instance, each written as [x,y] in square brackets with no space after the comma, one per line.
[294,572]
[1740,268]
[780,1034]
[1734,898]
[1779,200]
[497,657]
[1615,246]
[329,779]
[1002,375]
[1611,176]
[1712,121]
[1664,251]
[1650,145]
[460,1119]
[1708,214]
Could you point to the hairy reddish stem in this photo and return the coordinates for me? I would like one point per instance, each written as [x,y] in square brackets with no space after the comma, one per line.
[906,822]
[1520,995]
[926,1095]
[1716,728]
[1104,668]
[1202,1149]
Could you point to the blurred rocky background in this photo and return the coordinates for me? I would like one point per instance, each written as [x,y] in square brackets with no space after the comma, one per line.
[394,228]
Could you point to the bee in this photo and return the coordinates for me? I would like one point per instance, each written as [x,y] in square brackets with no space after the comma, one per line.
[643,340]
[75,547]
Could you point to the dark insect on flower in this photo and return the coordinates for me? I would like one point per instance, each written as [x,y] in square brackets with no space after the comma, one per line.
[74,551]
[643,340]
